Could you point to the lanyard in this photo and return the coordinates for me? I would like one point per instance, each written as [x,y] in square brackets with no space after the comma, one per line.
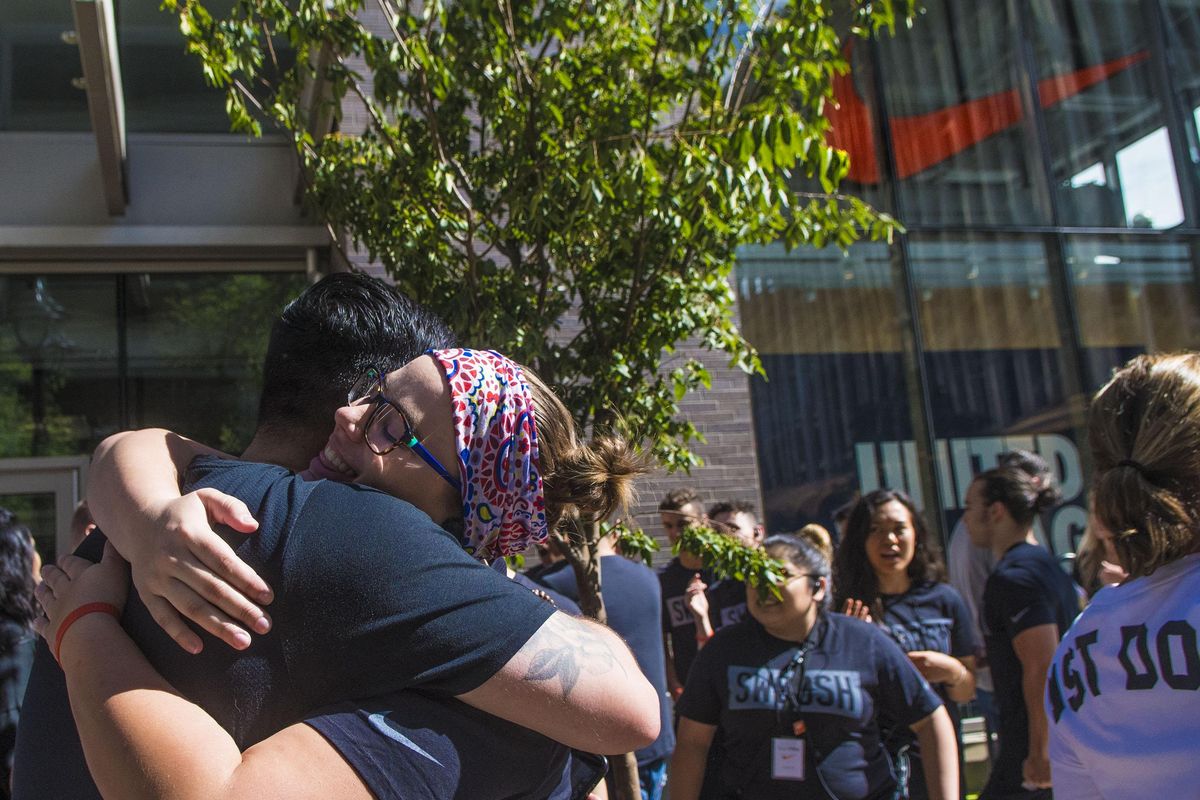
[792,691]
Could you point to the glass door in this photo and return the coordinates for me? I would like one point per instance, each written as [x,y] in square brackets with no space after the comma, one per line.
[43,492]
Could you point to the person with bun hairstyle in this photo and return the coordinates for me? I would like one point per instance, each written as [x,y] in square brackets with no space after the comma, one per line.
[1122,697]
[889,571]
[482,448]
[1028,604]
[796,696]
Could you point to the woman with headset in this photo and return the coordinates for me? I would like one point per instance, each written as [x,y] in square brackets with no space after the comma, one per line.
[796,694]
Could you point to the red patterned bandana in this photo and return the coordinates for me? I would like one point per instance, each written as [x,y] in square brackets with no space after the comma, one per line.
[504,509]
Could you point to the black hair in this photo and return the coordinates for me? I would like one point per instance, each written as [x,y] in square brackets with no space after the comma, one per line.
[1023,483]
[855,578]
[803,555]
[329,335]
[733,507]
[676,499]
[16,570]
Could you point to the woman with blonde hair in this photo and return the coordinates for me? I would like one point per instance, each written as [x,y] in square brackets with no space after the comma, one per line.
[1122,695]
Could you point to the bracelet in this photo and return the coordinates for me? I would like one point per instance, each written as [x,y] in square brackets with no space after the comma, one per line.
[962,675]
[78,614]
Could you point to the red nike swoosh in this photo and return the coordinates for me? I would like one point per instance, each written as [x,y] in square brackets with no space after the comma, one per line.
[922,140]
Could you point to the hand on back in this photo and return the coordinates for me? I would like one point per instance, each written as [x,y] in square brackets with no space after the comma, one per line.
[183,569]
[857,608]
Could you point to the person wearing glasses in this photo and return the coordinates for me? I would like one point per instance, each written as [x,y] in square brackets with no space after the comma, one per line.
[389,438]
[372,597]
[795,694]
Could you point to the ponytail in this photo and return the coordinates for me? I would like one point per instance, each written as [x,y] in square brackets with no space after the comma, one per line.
[592,479]
[1144,433]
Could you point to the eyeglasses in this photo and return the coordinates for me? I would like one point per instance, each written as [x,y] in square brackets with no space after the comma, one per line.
[387,427]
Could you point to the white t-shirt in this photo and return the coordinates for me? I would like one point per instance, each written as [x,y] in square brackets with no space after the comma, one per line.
[1123,695]
[969,567]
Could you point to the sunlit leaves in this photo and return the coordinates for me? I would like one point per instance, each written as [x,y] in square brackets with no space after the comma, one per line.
[633,542]
[568,182]
[726,557]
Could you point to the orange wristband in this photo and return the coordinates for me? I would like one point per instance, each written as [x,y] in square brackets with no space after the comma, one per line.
[78,614]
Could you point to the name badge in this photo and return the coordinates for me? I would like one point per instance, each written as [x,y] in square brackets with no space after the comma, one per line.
[787,759]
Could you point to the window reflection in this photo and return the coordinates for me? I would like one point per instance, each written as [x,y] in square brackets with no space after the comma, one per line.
[58,355]
[196,345]
[185,355]
[37,68]
[1132,297]
[165,91]
[826,327]
[993,366]
[960,136]
[1098,94]
[1183,42]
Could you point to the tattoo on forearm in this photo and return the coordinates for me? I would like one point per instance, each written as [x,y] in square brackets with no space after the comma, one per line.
[564,651]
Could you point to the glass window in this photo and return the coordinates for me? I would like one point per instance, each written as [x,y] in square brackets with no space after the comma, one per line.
[186,355]
[1132,297]
[826,327]
[196,345]
[163,83]
[165,90]
[1110,154]
[58,355]
[853,123]
[37,68]
[1183,38]
[959,132]
[992,357]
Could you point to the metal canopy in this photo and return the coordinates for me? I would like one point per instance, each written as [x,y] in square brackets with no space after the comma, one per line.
[95,30]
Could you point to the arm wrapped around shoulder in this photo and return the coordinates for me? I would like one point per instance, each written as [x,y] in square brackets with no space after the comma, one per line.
[576,682]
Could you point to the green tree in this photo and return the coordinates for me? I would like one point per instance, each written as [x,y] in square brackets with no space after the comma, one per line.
[567,181]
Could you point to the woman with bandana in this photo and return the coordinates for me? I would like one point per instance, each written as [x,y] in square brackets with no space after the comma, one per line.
[505,470]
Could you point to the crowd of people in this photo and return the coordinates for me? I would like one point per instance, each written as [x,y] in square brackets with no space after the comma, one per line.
[331,614]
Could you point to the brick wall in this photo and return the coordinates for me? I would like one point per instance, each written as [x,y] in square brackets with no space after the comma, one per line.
[730,470]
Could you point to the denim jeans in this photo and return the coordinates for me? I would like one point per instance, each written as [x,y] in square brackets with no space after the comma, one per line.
[653,777]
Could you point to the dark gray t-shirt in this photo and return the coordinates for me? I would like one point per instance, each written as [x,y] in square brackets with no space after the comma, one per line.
[371,597]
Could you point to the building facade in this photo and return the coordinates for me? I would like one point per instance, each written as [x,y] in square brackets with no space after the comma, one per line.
[143,248]
[1043,157]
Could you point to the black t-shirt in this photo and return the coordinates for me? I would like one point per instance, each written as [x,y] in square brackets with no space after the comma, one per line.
[407,746]
[678,624]
[371,598]
[16,656]
[561,601]
[726,603]
[852,673]
[632,599]
[1027,588]
[930,616]
[539,572]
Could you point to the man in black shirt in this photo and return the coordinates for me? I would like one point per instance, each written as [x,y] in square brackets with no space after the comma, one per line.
[633,601]
[332,640]
[727,597]
[680,508]
[1028,604]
